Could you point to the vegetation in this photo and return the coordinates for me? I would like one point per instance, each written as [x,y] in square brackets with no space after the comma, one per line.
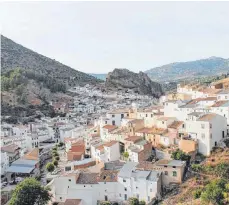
[216,192]
[55,162]
[197,193]
[55,154]
[125,155]
[105,203]
[57,158]
[61,144]
[30,192]
[180,155]
[133,201]
[50,167]
[142,202]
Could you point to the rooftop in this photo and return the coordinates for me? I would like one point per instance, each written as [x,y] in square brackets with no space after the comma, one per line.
[110,127]
[87,178]
[127,169]
[108,176]
[111,143]
[176,124]
[207,117]
[133,138]
[221,104]
[165,162]
[10,148]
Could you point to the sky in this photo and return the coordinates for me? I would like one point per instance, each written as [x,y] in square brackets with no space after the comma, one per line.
[96,37]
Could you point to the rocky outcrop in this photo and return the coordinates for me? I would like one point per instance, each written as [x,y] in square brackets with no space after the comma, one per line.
[123,79]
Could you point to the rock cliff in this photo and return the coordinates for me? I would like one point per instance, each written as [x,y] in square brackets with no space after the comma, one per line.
[123,79]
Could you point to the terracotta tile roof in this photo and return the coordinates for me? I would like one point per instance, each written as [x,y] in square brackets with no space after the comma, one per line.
[207,117]
[110,127]
[108,176]
[111,143]
[136,121]
[211,90]
[176,124]
[165,118]
[133,138]
[72,201]
[72,156]
[87,178]
[219,103]
[10,148]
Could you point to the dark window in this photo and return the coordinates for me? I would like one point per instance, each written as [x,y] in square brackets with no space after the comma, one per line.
[113,115]
[174,173]
[174,166]
[127,115]
[125,196]
[124,180]
[166,172]
[165,166]
[106,198]
[125,189]
[122,115]
[146,115]
[151,115]
[69,180]
[113,122]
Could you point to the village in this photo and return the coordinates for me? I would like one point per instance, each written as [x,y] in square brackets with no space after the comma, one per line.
[114,146]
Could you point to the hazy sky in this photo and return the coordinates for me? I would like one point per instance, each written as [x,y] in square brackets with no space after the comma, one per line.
[97,37]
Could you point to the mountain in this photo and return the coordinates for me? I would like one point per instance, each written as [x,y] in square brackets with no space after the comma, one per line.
[99,76]
[123,79]
[14,55]
[191,69]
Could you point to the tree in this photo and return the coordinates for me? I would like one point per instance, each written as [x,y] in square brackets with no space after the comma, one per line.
[197,193]
[55,154]
[222,170]
[61,144]
[214,192]
[142,202]
[180,155]
[133,201]
[30,192]
[126,155]
[105,203]
[50,167]
[55,162]
[54,149]
[57,158]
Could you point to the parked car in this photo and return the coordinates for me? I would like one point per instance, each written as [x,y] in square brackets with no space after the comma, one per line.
[18,179]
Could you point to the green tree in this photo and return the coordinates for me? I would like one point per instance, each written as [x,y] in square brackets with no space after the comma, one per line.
[55,154]
[142,202]
[214,192]
[55,162]
[57,158]
[197,193]
[180,155]
[30,192]
[61,144]
[133,201]
[54,148]
[125,154]
[50,167]
[105,203]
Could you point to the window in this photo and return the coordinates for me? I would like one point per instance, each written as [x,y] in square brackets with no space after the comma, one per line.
[105,122]
[137,196]
[120,195]
[151,190]
[125,189]
[165,166]
[60,197]
[122,115]
[125,196]
[106,198]
[174,166]
[166,172]
[124,180]
[146,115]
[69,180]
[151,115]
[113,115]
[203,136]
[113,122]
[163,122]
[211,135]
[148,198]
[211,124]
[202,126]
[174,173]
[127,115]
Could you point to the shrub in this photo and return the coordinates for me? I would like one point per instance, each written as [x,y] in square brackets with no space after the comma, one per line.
[142,202]
[197,193]
[55,162]
[50,167]
[57,158]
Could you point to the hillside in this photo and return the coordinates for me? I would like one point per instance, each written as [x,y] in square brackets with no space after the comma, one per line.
[123,79]
[29,81]
[190,69]
[99,76]
[14,55]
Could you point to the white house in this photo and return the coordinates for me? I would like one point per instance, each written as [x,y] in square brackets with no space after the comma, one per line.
[209,129]
[223,95]
[4,163]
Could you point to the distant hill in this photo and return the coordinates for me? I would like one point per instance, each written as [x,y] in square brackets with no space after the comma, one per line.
[99,76]
[181,70]
[123,79]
